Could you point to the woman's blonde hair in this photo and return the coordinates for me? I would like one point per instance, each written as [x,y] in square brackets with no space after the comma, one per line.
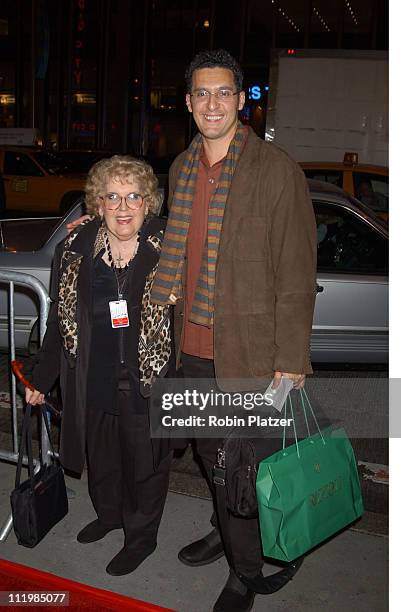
[122,169]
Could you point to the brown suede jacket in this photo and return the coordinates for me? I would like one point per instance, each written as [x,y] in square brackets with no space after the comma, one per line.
[266,271]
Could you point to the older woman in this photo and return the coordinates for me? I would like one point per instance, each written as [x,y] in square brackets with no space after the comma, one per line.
[100,341]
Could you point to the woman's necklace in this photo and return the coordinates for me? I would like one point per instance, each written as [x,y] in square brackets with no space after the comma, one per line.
[119,259]
[120,272]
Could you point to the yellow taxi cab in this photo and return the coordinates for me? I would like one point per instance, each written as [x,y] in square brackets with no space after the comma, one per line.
[367,183]
[38,180]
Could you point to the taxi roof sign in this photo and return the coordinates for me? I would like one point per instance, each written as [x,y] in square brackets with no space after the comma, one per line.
[350,158]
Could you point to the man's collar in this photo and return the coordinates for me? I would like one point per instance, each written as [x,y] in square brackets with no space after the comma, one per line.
[204,160]
[203,157]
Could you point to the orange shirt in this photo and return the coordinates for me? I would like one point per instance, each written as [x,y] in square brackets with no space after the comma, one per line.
[198,339]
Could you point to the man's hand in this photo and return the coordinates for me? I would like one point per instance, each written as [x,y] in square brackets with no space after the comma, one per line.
[74,224]
[298,379]
[34,397]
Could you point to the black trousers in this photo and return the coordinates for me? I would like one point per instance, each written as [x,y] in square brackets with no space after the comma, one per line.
[125,488]
[244,533]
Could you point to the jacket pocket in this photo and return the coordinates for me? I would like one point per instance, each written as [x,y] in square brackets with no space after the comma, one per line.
[252,239]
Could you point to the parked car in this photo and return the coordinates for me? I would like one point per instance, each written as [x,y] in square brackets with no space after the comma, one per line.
[351,314]
[39,181]
[27,245]
[367,183]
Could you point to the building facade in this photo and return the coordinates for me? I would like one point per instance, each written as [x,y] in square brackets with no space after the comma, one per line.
[109,74]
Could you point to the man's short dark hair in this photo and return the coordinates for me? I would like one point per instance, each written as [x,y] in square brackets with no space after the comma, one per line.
[219,58]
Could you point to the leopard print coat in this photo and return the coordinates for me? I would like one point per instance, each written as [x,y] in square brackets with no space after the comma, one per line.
[154,347]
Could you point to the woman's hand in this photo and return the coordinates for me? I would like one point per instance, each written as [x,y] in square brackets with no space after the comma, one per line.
[73,224]
[34,397]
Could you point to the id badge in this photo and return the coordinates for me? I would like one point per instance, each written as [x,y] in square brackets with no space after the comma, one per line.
[119,314]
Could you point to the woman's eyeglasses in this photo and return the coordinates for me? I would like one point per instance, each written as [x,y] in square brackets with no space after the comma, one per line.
[112,201]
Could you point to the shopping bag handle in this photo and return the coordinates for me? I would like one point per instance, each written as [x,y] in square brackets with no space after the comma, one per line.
[303,396]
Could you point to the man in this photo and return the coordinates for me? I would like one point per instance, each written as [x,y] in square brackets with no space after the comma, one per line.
[239,253]
[375,200]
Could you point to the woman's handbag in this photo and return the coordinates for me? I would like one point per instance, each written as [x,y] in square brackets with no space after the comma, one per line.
[307,491]
[41,501]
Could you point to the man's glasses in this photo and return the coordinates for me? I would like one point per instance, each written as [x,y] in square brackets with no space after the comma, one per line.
[112,201]
[221,94]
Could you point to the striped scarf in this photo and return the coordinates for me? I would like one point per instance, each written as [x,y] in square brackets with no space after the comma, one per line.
[167,283]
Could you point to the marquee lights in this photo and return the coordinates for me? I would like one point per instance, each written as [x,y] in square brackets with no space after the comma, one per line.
[322,21]
[296,27]
[284,14]
[353,16]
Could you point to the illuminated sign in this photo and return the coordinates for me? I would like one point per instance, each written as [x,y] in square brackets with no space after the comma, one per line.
[255,92]
[83,127]
[80,26]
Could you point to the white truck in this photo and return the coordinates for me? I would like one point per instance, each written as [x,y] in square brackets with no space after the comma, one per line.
[323,103]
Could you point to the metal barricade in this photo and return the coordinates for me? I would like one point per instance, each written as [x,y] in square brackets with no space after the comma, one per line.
[35,285]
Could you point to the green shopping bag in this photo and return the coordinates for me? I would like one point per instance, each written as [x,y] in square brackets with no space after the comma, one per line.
[307,491]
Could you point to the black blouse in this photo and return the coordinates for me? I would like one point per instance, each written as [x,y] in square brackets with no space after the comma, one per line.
[113,362]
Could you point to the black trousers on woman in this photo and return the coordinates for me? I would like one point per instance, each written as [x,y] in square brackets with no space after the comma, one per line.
[125,488]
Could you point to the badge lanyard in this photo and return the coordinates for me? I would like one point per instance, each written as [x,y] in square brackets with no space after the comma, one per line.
[118,308]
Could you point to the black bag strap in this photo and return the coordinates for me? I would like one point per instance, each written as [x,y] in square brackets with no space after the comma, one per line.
[26,440]
[259,584]
[43,412]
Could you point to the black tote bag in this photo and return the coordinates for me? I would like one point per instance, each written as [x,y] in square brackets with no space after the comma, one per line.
[40,502]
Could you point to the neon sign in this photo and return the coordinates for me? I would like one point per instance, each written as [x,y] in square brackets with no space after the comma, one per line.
[255,92]
[79,43]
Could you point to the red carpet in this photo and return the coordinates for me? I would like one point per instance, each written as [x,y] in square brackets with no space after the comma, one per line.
[16,577]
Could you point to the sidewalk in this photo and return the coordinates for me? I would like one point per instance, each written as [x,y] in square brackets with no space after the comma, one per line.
[348,573]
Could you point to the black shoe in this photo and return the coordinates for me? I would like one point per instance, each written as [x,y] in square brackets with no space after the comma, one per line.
[127,560]
[235,597]
[203,551]
[93,532]
[274,582]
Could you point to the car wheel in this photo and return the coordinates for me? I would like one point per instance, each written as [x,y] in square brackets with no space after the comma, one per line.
[69,200]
